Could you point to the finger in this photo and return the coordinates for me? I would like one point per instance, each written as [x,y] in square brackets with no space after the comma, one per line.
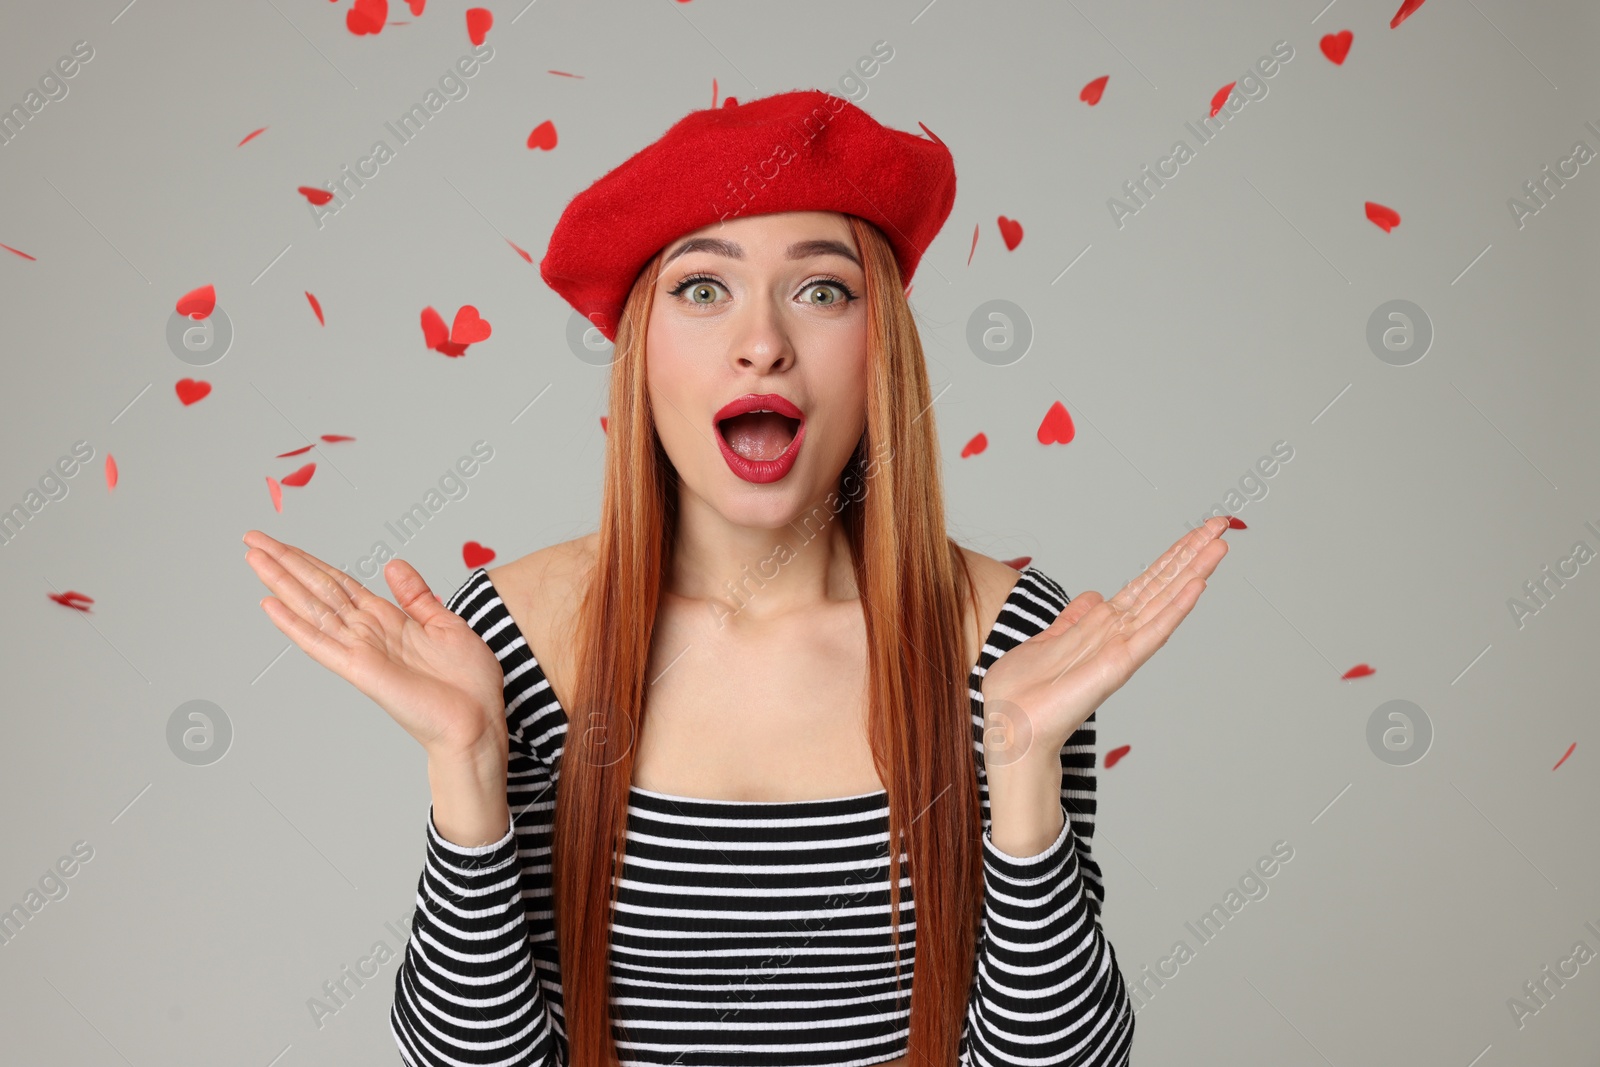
[1202,565]
[291,591]
[1169,565]
[1143,642]
[363,598]
[1076,609]
[411,592]
[312,641]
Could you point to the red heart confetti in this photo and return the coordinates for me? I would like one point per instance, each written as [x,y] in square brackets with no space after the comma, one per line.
[475,555]
[190,390]
[1565,754]
[468,328]
[434,332]
[301,476]
[1360,670]
[316,306]
[1056,427]
[1337,45]
[20,252]
[1090,94]
[334,438]
[974,446]
[564,74]
[975,228]
[1236,523]
[251,134]
[416,7]
[72,599]
[1115,755]
[302,450]
[603,424]
[277,495]
[1018,563]
[543,136]
[315,195]
[198,303]
[1404,13]
[1010,232]
[732,101]
[479,19]
[1385,218]
[1221,98]
[367,16]
[111,471]
[525,257]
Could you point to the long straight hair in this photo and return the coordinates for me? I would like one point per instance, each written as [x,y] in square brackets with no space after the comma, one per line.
[912,579]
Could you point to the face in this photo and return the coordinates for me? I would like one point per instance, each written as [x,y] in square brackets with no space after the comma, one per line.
[771,306]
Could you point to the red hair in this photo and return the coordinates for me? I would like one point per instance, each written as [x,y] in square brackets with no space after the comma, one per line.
[912,579]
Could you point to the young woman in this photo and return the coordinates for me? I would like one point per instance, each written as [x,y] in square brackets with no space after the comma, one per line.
[665,837]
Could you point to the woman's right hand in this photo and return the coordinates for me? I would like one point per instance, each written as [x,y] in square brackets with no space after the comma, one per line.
[424,665]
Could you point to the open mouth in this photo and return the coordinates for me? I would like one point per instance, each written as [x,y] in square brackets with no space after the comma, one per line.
[759,435]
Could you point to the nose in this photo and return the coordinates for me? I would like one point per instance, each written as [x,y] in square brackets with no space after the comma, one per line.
[762,344]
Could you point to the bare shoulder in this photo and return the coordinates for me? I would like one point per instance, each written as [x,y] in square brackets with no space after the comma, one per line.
[542,591]
[993,582]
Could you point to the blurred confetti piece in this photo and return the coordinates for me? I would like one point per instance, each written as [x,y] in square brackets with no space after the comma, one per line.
[975,228]
[316,305]
[277,494]
[301,476]
[1115,755]
[1056,427]
[71,599]
[250,135]
[1404,13]
[198,303]
[315,195]
[978,443]
[189,390]
[475,555]
[525,257]
[1010,232]
[367,16]
[19,252]
[1090,94]
[333,438]
[479,19]
[1384,218]
[1360,670]
[1221,98]
[543,136]
[111,471]
[1336,46]
[1018,563]
[1565,754]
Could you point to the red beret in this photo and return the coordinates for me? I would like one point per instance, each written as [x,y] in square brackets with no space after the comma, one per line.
[805,150]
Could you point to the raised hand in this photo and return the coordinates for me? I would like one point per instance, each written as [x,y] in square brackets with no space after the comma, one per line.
[1059,676]
[423,665]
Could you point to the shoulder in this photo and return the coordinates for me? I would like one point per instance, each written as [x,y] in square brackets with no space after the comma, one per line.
[542,591]
[1012,604]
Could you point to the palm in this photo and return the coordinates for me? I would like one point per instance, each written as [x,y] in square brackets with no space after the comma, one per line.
[423,665]
[1056,678]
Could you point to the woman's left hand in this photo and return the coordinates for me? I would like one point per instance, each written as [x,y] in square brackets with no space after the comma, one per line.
[1053,681]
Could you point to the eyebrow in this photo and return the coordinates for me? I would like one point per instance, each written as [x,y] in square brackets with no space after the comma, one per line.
[798,250]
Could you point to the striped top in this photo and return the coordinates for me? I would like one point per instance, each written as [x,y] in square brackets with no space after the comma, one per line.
[752,932]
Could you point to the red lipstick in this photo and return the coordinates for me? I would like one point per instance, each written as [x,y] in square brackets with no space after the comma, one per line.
[760,471]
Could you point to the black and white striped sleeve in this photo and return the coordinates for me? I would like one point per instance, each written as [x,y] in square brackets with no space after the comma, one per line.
[1047,988]
[468,990]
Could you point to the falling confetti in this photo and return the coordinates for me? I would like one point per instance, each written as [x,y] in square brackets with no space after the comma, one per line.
[198,303]
[475,555]
[479,19]
[1010,232]
[975,446]
[975,228]
[1336,46]
[1090,94]
[1565,754]
[1056,427]
[315,195]
[468,328]
[1404,13]
[1386,219]
[250,135]
[277,495]
[1221,98]
[20,252]
[301,476]
[1018,563]
[72,599]
[189,390]
[1115,755]
[316,305]
[543,136]
[1360,670]
[525,257]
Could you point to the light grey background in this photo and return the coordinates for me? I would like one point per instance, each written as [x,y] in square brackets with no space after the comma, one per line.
[1228,314]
